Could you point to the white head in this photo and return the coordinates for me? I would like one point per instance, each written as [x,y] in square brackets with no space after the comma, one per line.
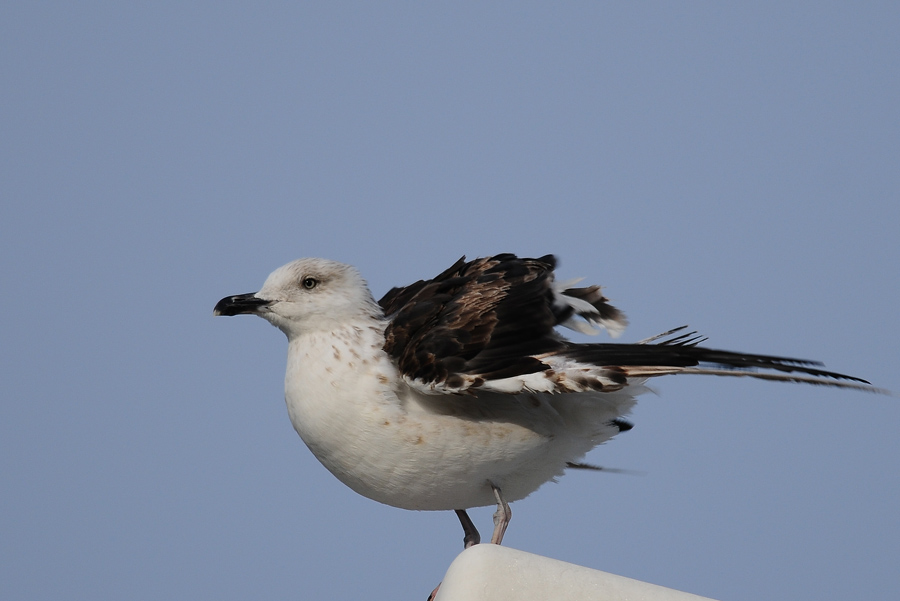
[307,295]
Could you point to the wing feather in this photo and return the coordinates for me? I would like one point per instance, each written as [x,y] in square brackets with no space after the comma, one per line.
[490,324]
[478,320]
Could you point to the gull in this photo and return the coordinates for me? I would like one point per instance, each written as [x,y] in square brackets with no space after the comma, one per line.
[458,391]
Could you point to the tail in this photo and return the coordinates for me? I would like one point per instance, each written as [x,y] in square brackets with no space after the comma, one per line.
[614,364]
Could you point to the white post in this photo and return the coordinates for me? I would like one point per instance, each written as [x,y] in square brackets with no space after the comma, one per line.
[495,573]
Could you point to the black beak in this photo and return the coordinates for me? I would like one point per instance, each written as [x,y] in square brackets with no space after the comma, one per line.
[240,303]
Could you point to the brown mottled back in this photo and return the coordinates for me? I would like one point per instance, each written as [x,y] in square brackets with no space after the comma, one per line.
[485,317]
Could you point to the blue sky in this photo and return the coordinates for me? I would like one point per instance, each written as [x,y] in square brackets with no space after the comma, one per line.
[736,168]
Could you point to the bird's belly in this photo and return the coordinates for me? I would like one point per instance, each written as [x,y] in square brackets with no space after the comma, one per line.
[433,462]
[437,452]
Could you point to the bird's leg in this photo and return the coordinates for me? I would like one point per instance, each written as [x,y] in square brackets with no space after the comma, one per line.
[501,516]
[472,537]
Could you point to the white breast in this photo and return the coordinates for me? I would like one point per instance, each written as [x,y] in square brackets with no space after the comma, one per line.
[431,452]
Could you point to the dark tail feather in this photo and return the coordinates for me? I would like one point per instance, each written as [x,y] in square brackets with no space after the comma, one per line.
[681,355]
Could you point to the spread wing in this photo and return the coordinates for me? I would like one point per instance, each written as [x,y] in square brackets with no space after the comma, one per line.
[490,324]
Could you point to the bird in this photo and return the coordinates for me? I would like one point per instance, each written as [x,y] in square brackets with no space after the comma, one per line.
[459,391]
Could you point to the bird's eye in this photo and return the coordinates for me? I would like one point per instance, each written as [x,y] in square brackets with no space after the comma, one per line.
[310,283]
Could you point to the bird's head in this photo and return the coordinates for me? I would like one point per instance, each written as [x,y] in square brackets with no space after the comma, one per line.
[306,295]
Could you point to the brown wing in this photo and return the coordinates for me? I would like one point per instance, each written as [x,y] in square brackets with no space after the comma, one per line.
[493,319]
[484,318]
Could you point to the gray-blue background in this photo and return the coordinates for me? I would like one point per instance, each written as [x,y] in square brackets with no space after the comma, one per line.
[731,167]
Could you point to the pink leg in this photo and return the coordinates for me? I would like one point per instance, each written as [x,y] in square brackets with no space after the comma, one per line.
[501,517]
